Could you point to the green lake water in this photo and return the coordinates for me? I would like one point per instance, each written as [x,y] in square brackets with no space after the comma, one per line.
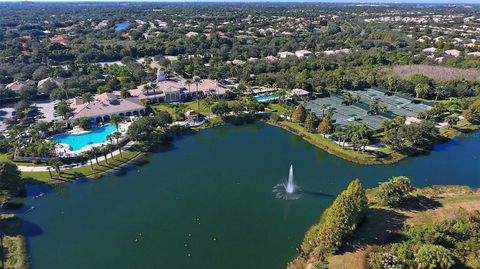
[207,202]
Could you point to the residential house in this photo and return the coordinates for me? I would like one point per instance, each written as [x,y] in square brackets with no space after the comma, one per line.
[18,85]
[57,80]
[59,40]
[303,53]
[285,54]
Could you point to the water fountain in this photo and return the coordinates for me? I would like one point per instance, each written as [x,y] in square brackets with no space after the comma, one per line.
[288,190]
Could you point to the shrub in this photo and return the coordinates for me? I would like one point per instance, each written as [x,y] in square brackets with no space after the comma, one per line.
[384,260]
[337,223]
[393,191]
[472,114]
[85,123]
[434,256]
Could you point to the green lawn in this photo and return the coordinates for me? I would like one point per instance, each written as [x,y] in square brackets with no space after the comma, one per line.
[278,108]
[199,106]
[462,126]
[35,177]
[4,158]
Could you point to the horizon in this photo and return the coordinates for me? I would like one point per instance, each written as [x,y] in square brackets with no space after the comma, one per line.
[367,2]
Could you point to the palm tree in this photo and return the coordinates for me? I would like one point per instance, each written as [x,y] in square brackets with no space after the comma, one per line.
[439,91]
[89,155]
[147,89]
[110,148]
[117,135]
[96,151]
[56,163]
[188,82]
[115,120]
[197,80]
[49,172]
[323,107]
[364,143]
[105,152]
[87,97]
[342,137]
[348,97]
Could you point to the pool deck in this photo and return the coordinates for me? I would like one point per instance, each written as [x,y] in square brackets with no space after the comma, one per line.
[63,150]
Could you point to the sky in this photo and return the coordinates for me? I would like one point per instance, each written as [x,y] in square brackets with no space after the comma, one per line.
[273,1]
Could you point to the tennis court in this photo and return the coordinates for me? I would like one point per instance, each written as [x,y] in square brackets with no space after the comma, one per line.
[397,105]
[344,115]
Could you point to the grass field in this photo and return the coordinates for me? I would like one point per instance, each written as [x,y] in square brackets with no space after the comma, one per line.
[4,158]
[462,126]
[279,109]
[199,106]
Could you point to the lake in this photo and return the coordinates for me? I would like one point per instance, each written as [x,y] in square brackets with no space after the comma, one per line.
[207,202]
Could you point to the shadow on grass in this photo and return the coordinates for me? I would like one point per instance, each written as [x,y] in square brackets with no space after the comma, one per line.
[379,227]
[419,203]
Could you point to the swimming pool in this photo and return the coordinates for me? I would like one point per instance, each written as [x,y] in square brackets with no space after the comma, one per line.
[266,98]
[121,26]
[79,141]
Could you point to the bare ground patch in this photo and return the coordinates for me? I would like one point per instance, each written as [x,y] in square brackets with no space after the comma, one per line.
[433,72]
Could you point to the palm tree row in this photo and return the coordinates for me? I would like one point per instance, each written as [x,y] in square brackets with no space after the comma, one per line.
[104,151]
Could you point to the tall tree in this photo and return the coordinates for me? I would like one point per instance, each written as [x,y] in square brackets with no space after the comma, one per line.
[10,177]
[63,109]
[299,114]
[311,122]
[115,120]
[326,127]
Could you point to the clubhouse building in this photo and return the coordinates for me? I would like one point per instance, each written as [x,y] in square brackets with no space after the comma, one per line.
[104,106]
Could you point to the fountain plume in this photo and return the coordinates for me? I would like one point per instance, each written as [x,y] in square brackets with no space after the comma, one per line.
[290,188]
[287,190]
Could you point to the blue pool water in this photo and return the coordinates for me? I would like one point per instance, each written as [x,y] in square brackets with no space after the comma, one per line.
[266,98]
[121,26]
[78,141]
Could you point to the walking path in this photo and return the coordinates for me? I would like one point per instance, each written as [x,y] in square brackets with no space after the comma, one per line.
[71,166]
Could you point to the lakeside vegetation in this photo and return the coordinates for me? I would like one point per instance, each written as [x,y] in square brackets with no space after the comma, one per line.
[13,244]
[402,227]
[382,156]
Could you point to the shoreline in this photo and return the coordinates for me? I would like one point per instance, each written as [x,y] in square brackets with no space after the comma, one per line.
[447,134]
[382,157]
[323,143]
